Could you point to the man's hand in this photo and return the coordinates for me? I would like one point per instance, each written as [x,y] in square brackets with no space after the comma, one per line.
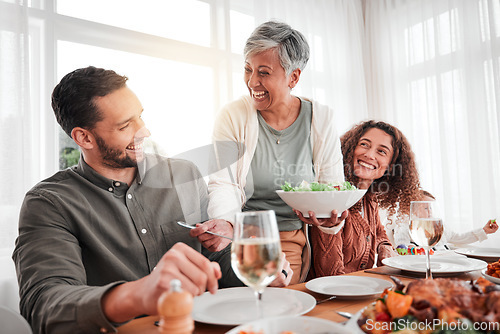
[212,242]
[196,273]
[283,279]
[323,222]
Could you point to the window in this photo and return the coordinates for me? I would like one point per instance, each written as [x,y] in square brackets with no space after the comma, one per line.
[450,78]
[165,88]
[164,18]
[181,75]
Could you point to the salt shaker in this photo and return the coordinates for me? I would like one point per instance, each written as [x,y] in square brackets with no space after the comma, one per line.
[174,307]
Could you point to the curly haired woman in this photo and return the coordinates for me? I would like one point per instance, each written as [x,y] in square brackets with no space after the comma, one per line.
[377,157]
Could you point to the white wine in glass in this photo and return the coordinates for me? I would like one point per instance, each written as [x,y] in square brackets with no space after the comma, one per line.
[256,249]
[426,227]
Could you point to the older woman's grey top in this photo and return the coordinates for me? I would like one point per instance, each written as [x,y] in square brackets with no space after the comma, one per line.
[291,160]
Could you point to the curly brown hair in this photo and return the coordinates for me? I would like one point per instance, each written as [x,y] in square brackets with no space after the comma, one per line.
[400,184]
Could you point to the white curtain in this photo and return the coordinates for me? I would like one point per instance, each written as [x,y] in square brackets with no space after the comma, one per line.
[17,167]
[434,72]
[335,74]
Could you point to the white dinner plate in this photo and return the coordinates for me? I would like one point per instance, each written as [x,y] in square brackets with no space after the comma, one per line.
[302,325]
[235,306]
[490,278]
[348,286]
[439,264]
[486,254]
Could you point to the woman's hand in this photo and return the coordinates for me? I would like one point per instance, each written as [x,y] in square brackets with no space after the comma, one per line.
[385,251]
[334,220]
[284,275]
[212,242]
[491,227]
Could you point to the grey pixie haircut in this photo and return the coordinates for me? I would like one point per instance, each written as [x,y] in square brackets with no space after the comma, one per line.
[293,49]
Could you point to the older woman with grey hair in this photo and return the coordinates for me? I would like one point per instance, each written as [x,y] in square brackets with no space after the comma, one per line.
[280,137]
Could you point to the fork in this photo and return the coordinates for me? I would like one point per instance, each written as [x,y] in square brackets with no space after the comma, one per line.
[183,224]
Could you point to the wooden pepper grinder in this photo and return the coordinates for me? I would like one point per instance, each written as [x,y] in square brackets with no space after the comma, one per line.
[174,307]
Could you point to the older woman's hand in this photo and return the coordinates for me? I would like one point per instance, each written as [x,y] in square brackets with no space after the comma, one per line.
[212,242]
[333,221]
[284,275]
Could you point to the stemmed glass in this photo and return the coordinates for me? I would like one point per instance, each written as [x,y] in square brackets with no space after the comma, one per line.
[256,250]
[426,227]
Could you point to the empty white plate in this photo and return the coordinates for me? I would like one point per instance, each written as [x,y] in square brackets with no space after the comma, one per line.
[439,264]
[348,286]
[235,306]
[486,254]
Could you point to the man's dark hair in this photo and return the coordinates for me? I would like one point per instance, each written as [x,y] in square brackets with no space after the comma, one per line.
[73,99]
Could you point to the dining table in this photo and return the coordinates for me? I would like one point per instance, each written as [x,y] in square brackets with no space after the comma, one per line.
[326,310]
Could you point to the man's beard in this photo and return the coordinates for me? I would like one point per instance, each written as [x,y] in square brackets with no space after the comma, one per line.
[112,157]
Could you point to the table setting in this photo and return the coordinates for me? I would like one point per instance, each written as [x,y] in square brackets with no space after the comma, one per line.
[313,307]
[331,304]
[304,308]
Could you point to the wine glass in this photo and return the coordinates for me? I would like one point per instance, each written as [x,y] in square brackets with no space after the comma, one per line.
[256,250]
[426,227]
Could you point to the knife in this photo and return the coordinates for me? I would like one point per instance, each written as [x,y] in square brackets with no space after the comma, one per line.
[375,271]
[183,224]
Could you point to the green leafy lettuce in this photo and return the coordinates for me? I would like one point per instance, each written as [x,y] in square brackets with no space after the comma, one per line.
[315,186]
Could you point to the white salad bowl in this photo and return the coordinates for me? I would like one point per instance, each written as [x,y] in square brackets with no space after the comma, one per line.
[321,202]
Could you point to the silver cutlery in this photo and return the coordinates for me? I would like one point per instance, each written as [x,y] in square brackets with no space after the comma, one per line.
[183,224]
[346,315]
[389,273]
[325,300]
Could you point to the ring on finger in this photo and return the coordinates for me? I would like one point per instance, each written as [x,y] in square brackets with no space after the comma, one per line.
[283,271]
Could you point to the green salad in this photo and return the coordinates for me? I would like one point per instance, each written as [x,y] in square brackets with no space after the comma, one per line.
[315,186]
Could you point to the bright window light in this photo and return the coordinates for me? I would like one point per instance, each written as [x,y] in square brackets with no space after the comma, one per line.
[242,26]
[155,17]
[239,87]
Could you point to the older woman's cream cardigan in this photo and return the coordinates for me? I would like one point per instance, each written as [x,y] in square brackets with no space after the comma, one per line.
[235,136]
